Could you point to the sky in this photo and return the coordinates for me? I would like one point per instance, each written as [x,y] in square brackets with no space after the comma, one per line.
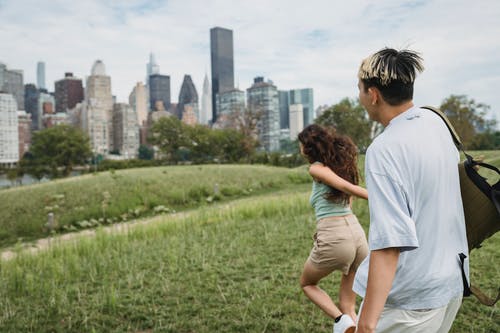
[296,44]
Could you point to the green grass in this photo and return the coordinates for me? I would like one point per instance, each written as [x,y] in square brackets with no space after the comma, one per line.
[224,268]
[113,196]
[231,267]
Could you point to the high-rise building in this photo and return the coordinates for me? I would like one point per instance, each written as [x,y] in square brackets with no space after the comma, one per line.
[222,60]
[284,102]
[263,99]
[159,90]
[24,130]
[68,92]
[31,103]
[46,108]
[206,103]
[40,75]
[296,120]
[125,131]
[138,101]
[187,95]
[9,135]
[97,120]
[306,98]
[229,103]
[152,68]
[11,82]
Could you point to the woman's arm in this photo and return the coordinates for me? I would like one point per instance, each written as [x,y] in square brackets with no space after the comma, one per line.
[327,176]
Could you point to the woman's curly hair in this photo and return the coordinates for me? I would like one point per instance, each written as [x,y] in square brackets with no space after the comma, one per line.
[338,152]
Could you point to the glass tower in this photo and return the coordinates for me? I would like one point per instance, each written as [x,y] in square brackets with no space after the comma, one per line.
[221,53]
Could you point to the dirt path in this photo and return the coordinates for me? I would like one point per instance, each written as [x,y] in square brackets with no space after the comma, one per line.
[45,243]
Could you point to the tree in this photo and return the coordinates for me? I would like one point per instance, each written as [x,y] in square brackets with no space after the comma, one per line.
[348,117]
[246,121]
[61,146]
[146,153]
[169,134]
[468,118]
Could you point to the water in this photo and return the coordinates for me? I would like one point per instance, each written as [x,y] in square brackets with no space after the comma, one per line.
[28,180]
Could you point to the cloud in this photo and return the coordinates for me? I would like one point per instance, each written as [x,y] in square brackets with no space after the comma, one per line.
[317,44]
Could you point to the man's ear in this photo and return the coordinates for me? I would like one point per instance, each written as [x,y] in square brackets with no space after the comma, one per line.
[374,94]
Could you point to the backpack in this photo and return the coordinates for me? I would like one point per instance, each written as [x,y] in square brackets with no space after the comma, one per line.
[481,202]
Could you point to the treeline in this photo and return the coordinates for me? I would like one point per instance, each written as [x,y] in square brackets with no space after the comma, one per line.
[56,151]
[468,117]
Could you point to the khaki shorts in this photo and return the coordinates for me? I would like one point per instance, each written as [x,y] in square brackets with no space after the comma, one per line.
[393,320]
[339,244]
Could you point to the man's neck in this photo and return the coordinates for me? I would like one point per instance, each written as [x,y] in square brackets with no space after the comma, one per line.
[391,112]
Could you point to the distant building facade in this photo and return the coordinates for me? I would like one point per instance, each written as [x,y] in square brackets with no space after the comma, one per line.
[284,102]
[263,98]
[296,120]
[222,62]
[31,103]
[97,120]
[159,90]
[40,75]
[138,100]
[11,82]
[187,96]
[68,92]
[206,103]
[306,98]
[125,131]
[9,135]
[229,103]
[152,68]
[24,131]
[46,109]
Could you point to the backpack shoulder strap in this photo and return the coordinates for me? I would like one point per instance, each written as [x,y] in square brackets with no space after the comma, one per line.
[456,138]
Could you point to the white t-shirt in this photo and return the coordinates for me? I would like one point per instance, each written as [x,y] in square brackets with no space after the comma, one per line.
[415,205]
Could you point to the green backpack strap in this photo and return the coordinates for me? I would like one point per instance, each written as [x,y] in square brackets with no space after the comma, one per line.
[482,298]
[456,138]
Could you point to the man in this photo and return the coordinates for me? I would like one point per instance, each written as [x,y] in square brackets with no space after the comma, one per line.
[412,279]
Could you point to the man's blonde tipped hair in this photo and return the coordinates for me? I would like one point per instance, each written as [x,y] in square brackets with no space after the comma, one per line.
[388,65]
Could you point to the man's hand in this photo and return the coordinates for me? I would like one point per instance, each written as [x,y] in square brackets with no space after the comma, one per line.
[382,268]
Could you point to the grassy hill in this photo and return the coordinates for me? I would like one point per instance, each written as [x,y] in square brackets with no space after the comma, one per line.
[114,196]
[231,267]
[222,266]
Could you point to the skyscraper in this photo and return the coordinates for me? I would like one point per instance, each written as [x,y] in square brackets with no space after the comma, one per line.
[125,130]
[9,136]
[24,129]
[138,101]
[151,67]
[296,120]
[221,54]
[187,95]
[206,103]
[159,90]
[31,103]
[263,98]
[229,103]
[284,102]
[304,97]
[11,82]
[68,92]
[40,75]
[98,108]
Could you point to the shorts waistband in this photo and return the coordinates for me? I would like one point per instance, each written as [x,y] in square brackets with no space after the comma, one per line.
[349,219]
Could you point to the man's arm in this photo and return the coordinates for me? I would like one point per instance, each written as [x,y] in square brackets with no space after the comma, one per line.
[382,268]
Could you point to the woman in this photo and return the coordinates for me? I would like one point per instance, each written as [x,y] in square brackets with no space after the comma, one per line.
[339,241]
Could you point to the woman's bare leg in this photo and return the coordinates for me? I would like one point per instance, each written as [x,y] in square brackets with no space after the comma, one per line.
[309,283]
[347,297]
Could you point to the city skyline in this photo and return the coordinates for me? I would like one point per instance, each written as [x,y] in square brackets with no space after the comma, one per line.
[295,44]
